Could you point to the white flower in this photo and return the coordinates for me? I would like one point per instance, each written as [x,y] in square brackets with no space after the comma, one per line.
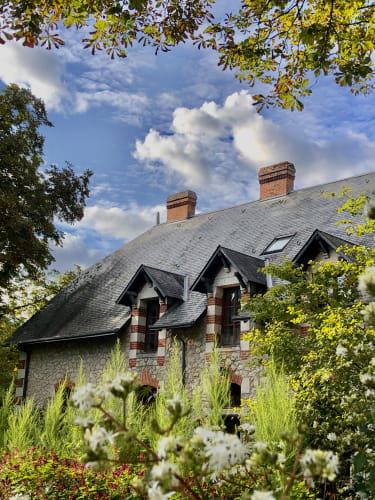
[84,397]
[366,281]
[84,421]
[341,351]
[368,313]
[176,406]
[222,449]
[331,436]
[19,496]
[122,381]
[247,428]
[319,463]
[167,445]
[165,472]
[262,495]
[156,493]
[97,437]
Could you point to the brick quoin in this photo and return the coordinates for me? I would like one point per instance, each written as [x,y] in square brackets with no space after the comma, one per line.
[19,382]
[21,364]
[214,301]
[245,354]
[132,362]
[163,308]
[138,329]
[161,360]
[210,337]
[138,312]
[161,342]
[211,318]
[136,346]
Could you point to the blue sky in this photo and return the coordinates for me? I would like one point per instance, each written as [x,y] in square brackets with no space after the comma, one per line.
[149,126]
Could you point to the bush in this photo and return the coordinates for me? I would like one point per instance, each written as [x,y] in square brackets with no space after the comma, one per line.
[43,476]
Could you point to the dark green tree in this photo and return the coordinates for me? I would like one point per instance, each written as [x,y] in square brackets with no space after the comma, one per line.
[31,199]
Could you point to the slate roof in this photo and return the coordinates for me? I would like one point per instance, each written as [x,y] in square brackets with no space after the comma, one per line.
[166,283]
[183,315]
[246,265]
[88,306]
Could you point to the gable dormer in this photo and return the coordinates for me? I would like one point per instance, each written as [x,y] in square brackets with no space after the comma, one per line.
[320,246]
[244,268]
[167,286]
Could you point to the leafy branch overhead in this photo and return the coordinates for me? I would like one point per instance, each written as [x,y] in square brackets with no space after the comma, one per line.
[283,44]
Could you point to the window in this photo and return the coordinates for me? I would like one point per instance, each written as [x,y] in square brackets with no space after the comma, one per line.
[235,394]
[278,244]
[146,395]
[152,315]
[230,330]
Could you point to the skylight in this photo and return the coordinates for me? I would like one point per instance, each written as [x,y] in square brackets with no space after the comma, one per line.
[278,244]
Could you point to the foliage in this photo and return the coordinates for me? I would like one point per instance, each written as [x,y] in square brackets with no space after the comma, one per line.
[23,428]
[203,464]
[272,411]
[331,358]
[6,409]
[284,44]
[43,475]
[31,200]
[25,297]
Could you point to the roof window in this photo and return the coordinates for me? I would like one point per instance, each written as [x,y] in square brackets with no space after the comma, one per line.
[278,244]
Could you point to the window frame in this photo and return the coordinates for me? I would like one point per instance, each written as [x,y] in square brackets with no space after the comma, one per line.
[150,343]
[226,321]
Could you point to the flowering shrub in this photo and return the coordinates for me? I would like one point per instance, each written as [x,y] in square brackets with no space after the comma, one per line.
[43,476]
[208,463]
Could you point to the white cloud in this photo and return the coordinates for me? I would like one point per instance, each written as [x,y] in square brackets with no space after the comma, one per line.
[74,252]
[119,223]
[219,150]
[35,68]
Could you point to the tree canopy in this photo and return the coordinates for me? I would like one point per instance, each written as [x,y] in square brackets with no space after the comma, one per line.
[284,44]
[31,200]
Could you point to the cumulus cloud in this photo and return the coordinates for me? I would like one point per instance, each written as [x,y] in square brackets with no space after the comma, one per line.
[122,224]
[219,149]
[35,68]
[74,251]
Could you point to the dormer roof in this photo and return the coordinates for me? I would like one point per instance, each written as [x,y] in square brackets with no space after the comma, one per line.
[246,269]
[320,241]
[165,283]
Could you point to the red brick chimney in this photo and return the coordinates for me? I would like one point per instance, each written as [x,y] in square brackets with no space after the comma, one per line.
[276,180]
[181,205]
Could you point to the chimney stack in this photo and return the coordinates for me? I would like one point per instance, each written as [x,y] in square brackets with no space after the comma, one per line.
[276,180]
[181,205]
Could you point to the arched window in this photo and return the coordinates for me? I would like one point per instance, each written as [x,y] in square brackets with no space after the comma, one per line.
[235,394]
[147,394]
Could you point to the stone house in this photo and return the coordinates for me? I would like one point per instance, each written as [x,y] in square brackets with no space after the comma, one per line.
[182,280]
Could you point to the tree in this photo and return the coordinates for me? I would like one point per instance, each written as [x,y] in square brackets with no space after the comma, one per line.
[31,199]
[285,44]
[331,361]
[23,299]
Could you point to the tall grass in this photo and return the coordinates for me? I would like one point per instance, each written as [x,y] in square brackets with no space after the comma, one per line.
[23,427]
[215,389]
[273,409]
[6,409]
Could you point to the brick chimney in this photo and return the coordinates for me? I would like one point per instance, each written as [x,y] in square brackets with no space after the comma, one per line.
[181,205]
[276,180]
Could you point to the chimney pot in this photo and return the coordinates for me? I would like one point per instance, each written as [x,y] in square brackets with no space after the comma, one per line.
[276,180]
[181,205]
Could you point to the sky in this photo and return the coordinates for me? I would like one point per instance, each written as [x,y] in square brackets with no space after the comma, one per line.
[149,126]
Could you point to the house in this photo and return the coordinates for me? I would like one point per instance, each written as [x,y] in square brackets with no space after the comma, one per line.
[182,279]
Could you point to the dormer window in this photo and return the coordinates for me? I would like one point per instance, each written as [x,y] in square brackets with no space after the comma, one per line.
[278,244]
[152,315]
[230,329]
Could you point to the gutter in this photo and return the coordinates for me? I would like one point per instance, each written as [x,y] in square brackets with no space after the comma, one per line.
[105,333]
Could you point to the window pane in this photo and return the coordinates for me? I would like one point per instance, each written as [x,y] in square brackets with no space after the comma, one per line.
[152,315]
[230,330]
